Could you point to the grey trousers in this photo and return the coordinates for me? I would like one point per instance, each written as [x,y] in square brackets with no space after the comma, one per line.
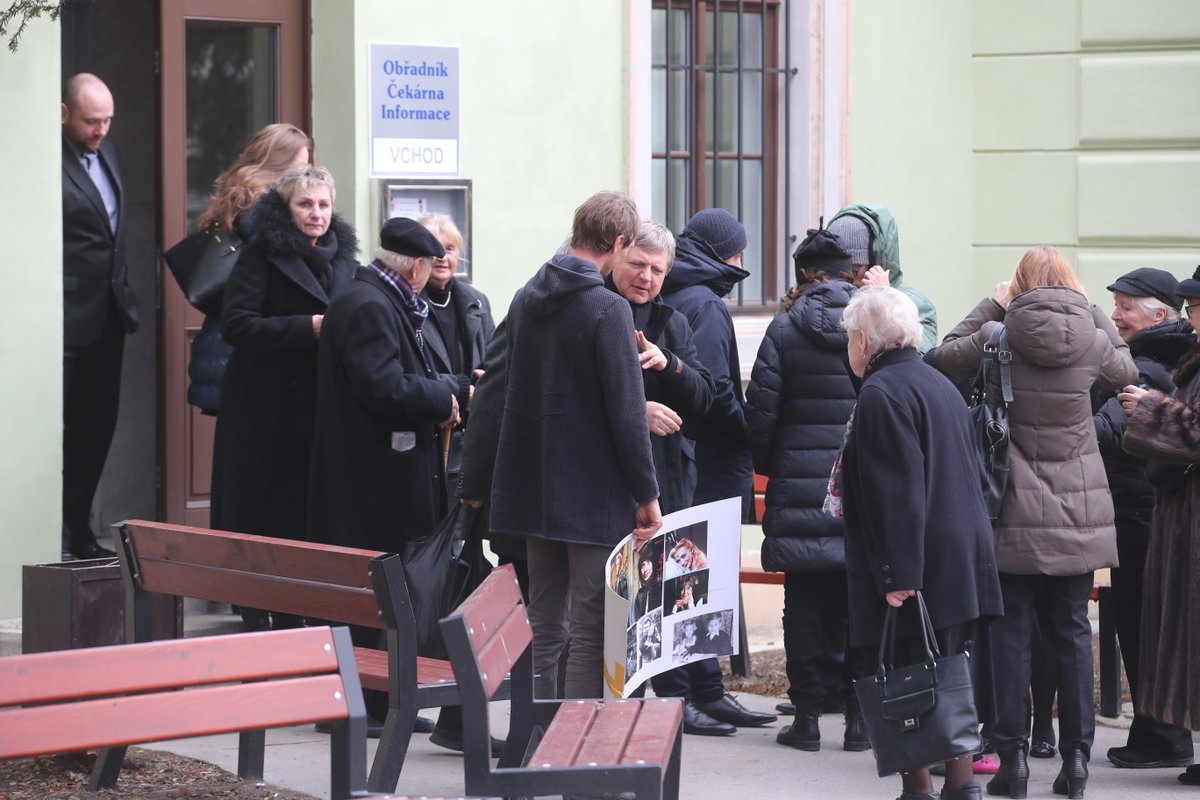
[566,609]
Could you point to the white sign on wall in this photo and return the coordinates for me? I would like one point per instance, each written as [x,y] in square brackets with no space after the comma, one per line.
[414,109]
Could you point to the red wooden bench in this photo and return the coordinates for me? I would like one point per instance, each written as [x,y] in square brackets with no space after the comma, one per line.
[554,746]
[336,584]
[129,694]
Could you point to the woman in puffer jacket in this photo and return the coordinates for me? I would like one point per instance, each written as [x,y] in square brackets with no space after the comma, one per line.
[797,405]
[1056,521]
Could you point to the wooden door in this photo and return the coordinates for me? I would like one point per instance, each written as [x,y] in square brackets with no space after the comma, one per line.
[228,68]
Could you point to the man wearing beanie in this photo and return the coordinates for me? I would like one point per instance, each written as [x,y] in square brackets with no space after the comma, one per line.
[870,235]
[573,470]
[800,398]
[708,258]
[1146,316]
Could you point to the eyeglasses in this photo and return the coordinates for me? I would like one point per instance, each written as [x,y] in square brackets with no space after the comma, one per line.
[1188,309]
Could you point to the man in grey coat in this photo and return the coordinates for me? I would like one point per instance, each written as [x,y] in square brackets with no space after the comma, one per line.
[573,471]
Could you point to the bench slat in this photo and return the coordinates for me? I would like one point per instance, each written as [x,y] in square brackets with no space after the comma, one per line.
[755,575]
[489,606]
[44,677]
[605,742]
[654,735]
[565,735]
[136,719]
[246,588]
[373,669]
[323,563]
[503,648]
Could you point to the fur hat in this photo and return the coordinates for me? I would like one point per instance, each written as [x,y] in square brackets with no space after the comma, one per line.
[854,236]
[409,238]
[719,230]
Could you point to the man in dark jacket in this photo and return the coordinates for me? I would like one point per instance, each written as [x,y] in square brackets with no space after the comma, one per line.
[98,307]
[1147,319]
[573,471]
[708,258]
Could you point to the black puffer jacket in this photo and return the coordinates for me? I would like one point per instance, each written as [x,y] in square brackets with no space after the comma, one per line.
[799,400]
[1155,350]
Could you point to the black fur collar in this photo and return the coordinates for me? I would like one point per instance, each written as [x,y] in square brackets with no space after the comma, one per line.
[275,232]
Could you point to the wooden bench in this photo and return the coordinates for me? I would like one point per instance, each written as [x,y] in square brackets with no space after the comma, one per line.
[324,582]
[129,694]
[554,746]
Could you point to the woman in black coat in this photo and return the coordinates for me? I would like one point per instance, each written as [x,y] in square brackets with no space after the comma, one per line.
[799,400]
[274,303]
[909,484]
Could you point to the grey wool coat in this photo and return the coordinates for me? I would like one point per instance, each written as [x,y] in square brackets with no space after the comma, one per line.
[1167,428]
[1057,514]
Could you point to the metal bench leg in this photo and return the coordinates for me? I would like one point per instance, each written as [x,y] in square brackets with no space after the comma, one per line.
[1110,657]
[392,749]
[107,768]
[670,786]
[739,662]
[251,745]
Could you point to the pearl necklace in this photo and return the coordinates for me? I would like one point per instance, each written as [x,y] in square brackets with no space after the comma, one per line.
[445,302]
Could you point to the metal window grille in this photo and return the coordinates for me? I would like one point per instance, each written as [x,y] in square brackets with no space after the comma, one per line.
[720,110]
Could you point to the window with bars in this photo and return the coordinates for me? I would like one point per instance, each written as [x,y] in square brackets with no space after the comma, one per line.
[718,104]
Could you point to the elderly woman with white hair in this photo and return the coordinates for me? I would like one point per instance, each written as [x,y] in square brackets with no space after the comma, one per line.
[908,483]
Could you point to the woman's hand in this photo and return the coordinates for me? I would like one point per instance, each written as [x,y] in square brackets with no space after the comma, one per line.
[896,599]
[317,320]
[1130,396]
[1002,294]
[876,276]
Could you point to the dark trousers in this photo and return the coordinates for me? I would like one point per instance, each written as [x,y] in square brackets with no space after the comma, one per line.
[91,394]
[815,635]
[699,681]
[1059,603]
[1146,735]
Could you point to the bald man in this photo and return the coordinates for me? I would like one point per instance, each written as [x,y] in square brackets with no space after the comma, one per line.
[99,310]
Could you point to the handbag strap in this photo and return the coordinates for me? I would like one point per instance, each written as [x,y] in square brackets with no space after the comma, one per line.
[996,352]
[887,638]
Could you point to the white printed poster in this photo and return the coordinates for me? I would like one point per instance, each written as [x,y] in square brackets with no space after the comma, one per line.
[673,600]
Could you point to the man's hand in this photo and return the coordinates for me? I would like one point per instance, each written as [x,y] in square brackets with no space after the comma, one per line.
[317,320]
[876,276]
[896,599]
[1130,396]
[454,418]
[466,501]
[662,420]
[650,357]
[648,519]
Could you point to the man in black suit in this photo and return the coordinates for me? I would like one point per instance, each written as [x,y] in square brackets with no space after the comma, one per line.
[98,307]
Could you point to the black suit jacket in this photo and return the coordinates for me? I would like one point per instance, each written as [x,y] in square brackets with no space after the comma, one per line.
[376,464]
[93,254]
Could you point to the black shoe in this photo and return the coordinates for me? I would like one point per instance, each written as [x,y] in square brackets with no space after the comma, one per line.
[911,796]
[786,708]
[1013,777]
[803,734]
[1190,776]
[90,550]
[697,723]
[1042,750]
[968,791]
[423,725]
[1072,778]
[856,739]
[728,709]
[452,740]
[1130,758]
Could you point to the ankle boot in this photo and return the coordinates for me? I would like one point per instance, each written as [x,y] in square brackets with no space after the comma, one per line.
[968,791]
[1013,777]
[803,734]
[856,739]
[1072,778]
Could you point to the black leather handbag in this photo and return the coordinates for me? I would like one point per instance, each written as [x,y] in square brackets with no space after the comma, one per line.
[922,714]
[991,419]
[201,263]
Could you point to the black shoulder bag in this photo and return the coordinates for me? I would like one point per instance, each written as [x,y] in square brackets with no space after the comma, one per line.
[991,419]
[922,714]
[201,263]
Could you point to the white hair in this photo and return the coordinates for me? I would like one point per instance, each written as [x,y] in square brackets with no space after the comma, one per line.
[1151,305]
[401,263]
[886,316]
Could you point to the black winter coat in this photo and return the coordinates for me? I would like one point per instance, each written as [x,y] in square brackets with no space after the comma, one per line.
[377,451]
[573,458]
[1156,351]
[799,400]
[915,518]
[695,287]
[269,391]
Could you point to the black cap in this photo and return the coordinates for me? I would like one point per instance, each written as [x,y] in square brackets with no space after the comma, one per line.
[409,238]
[1148,282]
[822,251]
[1189,287]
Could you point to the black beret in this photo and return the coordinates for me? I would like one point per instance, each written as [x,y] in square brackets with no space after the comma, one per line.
[822,251]
[1148,282]
[409,238]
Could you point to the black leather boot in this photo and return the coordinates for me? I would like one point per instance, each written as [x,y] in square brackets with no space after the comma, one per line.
[1013,777]
[968,791]
[1072,778]
[803,734]
[856,739]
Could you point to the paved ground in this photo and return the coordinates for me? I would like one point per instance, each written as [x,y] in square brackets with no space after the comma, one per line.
[747,765]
